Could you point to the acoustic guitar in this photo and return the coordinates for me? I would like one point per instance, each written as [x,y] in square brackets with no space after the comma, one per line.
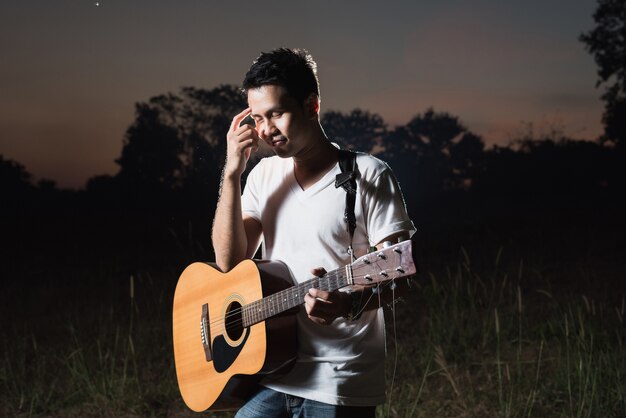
[232,328]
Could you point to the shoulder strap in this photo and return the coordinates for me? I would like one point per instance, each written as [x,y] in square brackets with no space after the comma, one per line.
[347,180]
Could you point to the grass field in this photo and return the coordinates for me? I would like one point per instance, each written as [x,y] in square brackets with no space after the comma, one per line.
[524,321]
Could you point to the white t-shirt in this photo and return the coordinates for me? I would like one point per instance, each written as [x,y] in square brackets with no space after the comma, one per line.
[341,363]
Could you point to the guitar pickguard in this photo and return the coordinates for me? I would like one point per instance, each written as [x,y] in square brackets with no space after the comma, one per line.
[224,354]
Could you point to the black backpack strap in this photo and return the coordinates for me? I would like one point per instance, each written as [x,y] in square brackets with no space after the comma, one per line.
[347,180]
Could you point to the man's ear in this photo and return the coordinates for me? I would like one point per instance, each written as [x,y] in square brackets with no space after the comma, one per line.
[313,106]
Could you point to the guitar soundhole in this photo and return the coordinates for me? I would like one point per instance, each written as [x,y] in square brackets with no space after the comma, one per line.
[234,321]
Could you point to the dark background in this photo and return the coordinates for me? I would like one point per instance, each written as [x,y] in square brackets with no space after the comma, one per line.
[554,202]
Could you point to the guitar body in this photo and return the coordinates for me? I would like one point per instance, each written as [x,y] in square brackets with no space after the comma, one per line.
[225,323]
[218,360]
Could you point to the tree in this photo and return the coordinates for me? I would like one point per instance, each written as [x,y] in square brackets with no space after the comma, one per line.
[206,116]
[547,170]
[358,130]
[607,43]
[466,157]
[150,164]
[15,184]
[433,153]
[13,175]
[176,143]
[201,119]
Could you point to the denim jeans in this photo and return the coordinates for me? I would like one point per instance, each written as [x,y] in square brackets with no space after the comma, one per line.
[269,403]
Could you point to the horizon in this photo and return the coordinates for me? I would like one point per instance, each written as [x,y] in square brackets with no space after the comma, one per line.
[76,71]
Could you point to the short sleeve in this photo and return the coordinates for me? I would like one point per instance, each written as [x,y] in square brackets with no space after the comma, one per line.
[384,208]
[250,198]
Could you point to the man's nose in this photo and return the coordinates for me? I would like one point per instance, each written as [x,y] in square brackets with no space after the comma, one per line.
[268,129]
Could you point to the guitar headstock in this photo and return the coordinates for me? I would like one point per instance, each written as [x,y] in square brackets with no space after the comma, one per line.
[389,263]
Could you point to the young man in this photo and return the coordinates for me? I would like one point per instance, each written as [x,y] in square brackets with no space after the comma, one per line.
[290,203]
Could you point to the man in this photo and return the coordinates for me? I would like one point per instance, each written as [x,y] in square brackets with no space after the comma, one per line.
[291,204]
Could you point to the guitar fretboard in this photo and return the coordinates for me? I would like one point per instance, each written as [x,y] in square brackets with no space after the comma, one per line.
[382,265]
[284,300]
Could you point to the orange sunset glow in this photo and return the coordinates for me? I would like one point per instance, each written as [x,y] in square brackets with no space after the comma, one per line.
[72,71]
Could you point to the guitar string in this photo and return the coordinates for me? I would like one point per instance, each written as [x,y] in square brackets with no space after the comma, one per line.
[239,322]
[332,276]
[336,276]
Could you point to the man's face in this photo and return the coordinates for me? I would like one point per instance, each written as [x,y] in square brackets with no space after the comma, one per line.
[280,119]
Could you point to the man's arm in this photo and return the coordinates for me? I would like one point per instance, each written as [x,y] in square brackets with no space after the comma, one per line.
[324,307]
[234,236]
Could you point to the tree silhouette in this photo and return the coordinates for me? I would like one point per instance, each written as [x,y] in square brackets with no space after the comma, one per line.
[15,184]
[13,175]
[150,164]
[466,158]
[607,43]
[177,142]
[206,116]
[563,171]
[358,130]
[433,153]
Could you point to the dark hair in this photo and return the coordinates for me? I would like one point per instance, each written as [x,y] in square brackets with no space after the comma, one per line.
[293,69]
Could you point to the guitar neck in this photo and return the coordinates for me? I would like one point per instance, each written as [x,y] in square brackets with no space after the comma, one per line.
[284,300]
[380,266]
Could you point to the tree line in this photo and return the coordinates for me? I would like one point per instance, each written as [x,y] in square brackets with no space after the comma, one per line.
[173,153]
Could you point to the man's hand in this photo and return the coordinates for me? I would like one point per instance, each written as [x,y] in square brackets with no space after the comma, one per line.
[240,142]
[324,307]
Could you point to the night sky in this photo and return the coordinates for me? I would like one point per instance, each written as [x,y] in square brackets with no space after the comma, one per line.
[71,71]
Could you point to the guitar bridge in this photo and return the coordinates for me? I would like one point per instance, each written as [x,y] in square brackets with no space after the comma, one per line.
[205,332]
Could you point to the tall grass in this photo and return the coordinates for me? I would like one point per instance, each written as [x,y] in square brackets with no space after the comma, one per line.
[489,344]
[495,340]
